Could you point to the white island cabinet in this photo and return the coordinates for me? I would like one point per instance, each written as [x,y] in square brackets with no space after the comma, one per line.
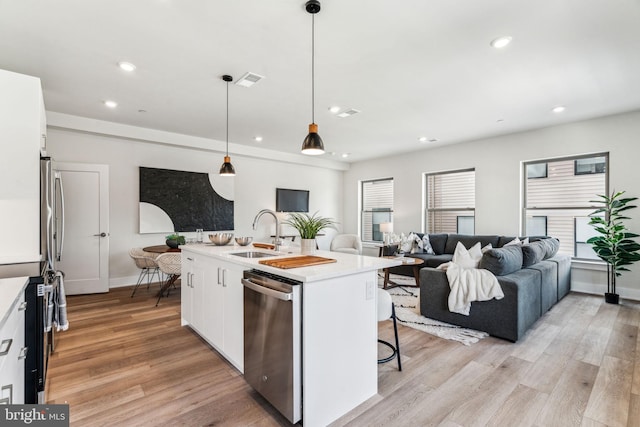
[12,340]
[339,322]
[211,303]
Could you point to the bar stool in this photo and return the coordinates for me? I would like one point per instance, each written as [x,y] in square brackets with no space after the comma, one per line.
[387,310]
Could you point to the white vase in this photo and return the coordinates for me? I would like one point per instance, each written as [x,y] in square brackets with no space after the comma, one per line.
[308,246]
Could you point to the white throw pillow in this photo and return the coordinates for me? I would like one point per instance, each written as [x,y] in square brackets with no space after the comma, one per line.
[406,244]
[426,245]
[517,241]
[467,258]
[486,248]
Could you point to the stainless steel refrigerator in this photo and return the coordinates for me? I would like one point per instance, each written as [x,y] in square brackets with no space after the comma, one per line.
[43,282]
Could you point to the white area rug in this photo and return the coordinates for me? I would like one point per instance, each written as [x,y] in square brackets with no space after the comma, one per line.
[407,302]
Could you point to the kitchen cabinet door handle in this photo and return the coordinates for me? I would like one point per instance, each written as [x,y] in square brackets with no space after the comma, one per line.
[219,276]
[224,277]
[6,345]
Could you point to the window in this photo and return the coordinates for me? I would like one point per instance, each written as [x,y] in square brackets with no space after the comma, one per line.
[537,170]
[559,204]
[590,165]
[377,207]
[451,201]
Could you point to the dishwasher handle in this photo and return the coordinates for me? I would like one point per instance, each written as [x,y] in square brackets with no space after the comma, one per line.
[285,296]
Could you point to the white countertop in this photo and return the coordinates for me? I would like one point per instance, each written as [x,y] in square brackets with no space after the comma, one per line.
[10,290]
[346,263]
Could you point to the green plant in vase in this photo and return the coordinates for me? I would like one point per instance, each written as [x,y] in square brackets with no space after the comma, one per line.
[615,244]
[175,239]
[308,226]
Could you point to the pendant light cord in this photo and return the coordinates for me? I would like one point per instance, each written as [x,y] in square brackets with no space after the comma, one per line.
[313,67]
[227,119]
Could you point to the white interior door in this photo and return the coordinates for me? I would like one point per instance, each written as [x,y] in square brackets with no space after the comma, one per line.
[85,256]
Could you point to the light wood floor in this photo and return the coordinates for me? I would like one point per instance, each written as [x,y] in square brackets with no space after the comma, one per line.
[125,362]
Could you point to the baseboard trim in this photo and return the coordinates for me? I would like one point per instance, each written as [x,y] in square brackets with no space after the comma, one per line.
[590,288]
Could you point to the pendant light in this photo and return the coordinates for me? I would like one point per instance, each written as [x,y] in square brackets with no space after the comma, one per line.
[313,144]
[227,168]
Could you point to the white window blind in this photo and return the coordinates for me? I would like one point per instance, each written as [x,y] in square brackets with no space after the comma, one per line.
[562,200]
[451,201]
[377,207]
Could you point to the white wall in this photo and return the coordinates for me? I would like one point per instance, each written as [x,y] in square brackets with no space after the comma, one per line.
[497,162]
[255,184]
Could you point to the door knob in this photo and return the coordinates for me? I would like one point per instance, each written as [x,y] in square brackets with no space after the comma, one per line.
[101,235]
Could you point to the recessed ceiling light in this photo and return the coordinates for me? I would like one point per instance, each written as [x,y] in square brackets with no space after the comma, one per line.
[334,109]
[433,140]
[111,104]
[499,120]
[558,109]
[348,112]
[126,66]
[249,79]
[423,139]
[501,42]
[257,138]
[345,155]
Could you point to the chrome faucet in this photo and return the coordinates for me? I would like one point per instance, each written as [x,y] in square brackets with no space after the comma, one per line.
[269,211]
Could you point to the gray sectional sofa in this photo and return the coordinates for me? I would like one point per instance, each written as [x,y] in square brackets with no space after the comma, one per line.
[533,278]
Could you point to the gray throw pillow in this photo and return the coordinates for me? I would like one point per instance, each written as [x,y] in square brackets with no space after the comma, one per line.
[551,247]
[533,253]
[502,261]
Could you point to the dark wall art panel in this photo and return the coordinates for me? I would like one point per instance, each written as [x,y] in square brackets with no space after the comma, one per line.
[187,199]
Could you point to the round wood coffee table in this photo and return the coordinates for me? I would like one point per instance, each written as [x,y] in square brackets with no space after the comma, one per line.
[416,263]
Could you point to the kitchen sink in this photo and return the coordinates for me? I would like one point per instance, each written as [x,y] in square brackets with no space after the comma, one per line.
[253,254]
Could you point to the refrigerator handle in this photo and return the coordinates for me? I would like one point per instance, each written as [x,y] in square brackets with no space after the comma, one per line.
[61,234]
[48,194]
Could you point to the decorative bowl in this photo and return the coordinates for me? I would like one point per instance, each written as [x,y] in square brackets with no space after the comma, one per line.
[220,239]
[243,241]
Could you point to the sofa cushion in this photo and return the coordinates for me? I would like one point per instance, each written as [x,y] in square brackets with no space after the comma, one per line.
[551,247]
[438,243]
[502,261]
[533,253]
[468,241]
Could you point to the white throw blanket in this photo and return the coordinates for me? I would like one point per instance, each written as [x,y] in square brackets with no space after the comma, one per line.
[470,284]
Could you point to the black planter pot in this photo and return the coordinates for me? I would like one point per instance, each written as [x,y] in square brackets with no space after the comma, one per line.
[611,298]
[172,243]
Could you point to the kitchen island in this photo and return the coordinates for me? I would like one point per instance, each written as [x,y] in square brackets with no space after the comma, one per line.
[339,322]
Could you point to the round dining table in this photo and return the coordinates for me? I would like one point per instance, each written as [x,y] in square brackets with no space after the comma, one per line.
[160,249]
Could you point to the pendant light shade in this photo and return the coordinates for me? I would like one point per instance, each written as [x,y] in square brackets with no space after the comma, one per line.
[312,144]
[227,168]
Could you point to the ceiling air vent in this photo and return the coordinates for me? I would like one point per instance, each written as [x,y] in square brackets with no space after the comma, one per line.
[249,79]
[347,113]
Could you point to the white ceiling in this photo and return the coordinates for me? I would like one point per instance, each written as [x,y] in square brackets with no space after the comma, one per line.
[412,67]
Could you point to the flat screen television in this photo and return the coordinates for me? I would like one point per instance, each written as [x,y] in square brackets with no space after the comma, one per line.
[288,200]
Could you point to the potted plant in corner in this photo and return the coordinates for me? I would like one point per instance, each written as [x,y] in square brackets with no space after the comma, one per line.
[173,240]
[614,245]
[308,226]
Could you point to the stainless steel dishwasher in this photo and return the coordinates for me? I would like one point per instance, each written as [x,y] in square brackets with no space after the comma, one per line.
[272,340]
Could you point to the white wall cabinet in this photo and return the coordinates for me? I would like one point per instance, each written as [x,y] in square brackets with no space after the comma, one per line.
[212,304]
[12,355]
[21,115]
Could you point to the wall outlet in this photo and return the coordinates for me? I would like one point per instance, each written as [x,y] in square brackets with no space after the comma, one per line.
[370,288]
